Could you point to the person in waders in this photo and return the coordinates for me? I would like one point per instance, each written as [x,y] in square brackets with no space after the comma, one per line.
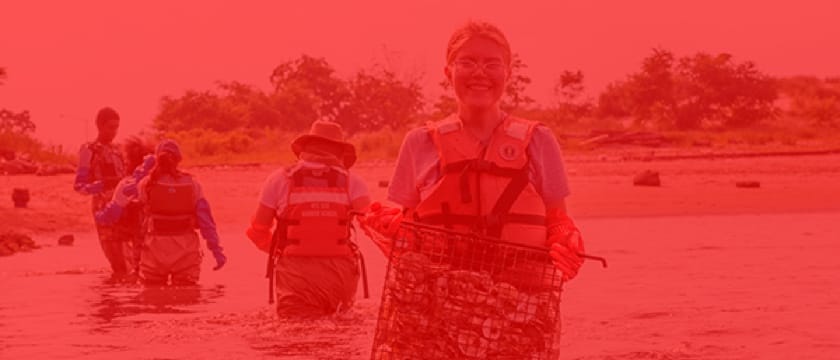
[100,168]
[312,259]
[174,206]
[124,211]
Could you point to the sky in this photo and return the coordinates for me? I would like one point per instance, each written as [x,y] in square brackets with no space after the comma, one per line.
[65,60]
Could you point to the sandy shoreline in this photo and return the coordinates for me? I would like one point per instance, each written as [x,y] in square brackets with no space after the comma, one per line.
[601,187]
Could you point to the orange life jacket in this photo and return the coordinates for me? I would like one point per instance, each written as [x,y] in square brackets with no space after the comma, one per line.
[485,190]
[316,220]
[171,205]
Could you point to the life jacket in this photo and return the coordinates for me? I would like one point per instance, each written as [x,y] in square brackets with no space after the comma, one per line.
[171,205]
[485,190]
[106,164]
[316,220]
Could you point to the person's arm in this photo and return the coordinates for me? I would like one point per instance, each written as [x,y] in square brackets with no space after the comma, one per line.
[359,194]
[125,192]
[549,174]
[111,212]
[564,241]
[207,227]
[84,184]
[403,188]
[547,168]
[381,223]
[206,224]
[259,231]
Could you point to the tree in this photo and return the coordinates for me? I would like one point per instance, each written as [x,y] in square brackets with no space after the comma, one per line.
[11,122]
[308,82]
[196,109]
[378,99]
[813,99]
[719,90]
[692,92]
[249,104]
[568,89]
[17,123]
[446,103]
[615,101]
[514,97]
[822,111]
[296,107]
[647,95]
[653,89]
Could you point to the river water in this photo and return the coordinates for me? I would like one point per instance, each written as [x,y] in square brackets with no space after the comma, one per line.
[688,287]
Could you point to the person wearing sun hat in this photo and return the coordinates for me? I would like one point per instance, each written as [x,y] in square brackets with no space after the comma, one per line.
[174,206]
[312,259]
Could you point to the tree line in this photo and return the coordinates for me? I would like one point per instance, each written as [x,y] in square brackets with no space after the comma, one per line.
[667,92]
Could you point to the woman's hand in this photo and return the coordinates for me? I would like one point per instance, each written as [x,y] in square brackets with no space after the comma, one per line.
[381,224]
[565,243]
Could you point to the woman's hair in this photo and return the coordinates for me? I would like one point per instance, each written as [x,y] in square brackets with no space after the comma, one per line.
[135,150]
[166,163]
[474,29]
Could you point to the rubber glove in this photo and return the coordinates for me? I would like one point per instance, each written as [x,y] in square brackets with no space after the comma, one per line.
[565,243]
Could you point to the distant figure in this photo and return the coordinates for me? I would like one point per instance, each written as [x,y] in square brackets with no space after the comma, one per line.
[174,205]
[100,169]
[315,268]
[124,211]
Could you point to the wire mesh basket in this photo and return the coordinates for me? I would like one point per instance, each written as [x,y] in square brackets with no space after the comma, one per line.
[452,295]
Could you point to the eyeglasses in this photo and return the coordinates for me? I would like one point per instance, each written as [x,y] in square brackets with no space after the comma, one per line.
[468,65]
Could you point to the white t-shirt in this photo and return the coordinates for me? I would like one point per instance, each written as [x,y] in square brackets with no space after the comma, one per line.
[276,187]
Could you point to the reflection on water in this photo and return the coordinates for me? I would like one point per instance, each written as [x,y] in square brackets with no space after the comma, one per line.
[115,301]
[715,287]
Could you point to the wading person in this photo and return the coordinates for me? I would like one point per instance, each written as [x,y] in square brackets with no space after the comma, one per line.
[315,264]
[482,170]
[173,207]
[124,211]
[100,169]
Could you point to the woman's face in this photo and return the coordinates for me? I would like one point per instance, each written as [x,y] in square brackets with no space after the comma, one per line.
[478,73]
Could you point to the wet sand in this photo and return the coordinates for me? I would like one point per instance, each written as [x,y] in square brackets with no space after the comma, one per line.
[699,269]
[599,189]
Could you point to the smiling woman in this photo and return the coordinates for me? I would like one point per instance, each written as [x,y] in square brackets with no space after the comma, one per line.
[499,166]
[473,47]
[479,172]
